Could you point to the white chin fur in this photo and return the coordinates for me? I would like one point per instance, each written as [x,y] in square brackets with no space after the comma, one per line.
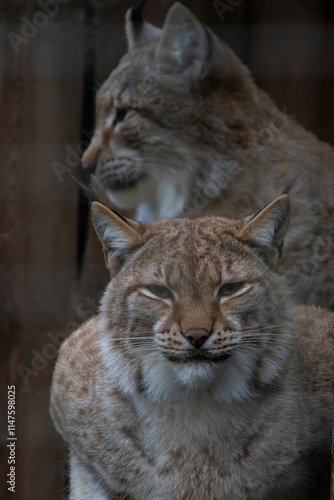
[227,381]
[167,200]
[132,197]
[194,375]
[153,200]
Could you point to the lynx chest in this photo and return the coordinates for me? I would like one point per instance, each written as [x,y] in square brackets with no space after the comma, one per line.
[199,452]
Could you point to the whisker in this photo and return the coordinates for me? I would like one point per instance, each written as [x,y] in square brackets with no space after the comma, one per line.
[264,328]
[167,161]
[134,346]
[265,337]
[139,349]
[137,342]
[125,344]
[130,338]
[257,343]
[222,350]
[155,171]
[155,158]
[267,333]
[262,335]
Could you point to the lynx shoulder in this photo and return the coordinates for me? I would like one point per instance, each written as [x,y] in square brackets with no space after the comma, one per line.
[198,379]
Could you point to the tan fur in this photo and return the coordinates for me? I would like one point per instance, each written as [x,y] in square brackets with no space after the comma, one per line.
[249,418]
[200,138]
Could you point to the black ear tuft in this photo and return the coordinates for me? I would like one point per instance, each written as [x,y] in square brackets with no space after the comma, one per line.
[87,190]
[136,12]
[138,31]
[291,182]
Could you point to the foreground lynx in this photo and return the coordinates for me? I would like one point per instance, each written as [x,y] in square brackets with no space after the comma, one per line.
[197,380]
[182,130]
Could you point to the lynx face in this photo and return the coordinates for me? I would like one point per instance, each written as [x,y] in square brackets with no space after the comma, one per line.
[158,124]
[196,298]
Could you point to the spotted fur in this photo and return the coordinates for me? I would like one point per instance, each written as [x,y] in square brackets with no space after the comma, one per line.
[147,415]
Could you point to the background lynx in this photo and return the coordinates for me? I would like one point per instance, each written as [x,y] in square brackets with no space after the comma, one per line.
[197,380]
[182,130]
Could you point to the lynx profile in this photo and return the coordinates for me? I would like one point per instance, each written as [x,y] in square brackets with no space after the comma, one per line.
[198,380]
[183,131]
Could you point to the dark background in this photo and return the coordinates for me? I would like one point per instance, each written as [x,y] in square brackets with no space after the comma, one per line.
[52,267]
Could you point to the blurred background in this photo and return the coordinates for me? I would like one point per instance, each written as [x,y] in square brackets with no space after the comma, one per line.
[53,56]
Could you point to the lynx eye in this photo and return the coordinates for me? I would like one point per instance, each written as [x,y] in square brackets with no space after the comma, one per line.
[229,289]
[160,291]
[120,115]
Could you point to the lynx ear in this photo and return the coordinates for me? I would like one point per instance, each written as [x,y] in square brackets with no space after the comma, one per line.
[119,236]
[184,42]
[139,32]
[188,47]
[266,230]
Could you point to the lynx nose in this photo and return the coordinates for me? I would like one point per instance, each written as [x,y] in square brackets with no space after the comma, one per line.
[197,336]
[88,164]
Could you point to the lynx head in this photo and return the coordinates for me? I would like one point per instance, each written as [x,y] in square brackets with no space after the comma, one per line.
[179,104]
[196,303]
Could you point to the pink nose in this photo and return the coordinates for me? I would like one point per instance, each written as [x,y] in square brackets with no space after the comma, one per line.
[197,336]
